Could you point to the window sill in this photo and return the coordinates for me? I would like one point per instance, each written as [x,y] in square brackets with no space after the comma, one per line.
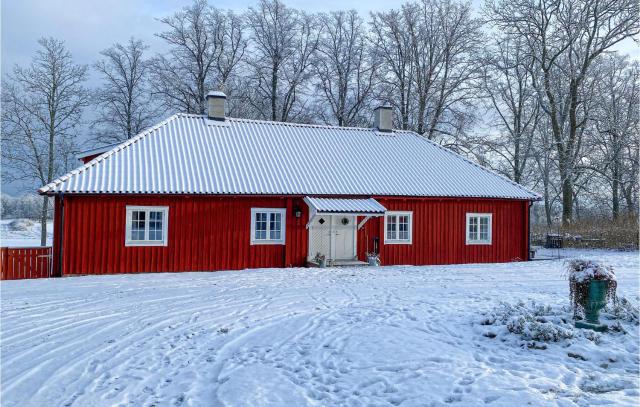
[266,242]
[143,243]
[479,243]
[407,242]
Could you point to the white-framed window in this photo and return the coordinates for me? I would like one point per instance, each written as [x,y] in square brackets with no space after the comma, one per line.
[147,225]
[268,225]
[398,227]
[479,228]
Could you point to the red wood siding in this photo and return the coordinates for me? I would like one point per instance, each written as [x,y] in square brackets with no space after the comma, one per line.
[439,228]
[205,233]
[24,262]
[213,233]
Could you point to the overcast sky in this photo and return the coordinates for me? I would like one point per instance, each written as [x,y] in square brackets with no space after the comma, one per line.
[89,26]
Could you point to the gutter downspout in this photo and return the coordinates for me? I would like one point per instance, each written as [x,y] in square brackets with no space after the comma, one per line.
[529,230]
[61,232]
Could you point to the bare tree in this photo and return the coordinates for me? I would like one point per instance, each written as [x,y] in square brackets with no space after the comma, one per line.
[124,99]
[509,89]
[41,109]
[430,50]
[283,42]
[451,37]
[617,124]
[546,167]
[206,48]
[345,69]
[565,37]
[395,48]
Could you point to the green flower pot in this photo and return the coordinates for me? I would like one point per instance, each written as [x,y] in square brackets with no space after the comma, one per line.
[596,300]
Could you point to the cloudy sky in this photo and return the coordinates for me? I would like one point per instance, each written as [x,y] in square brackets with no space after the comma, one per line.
[89,26]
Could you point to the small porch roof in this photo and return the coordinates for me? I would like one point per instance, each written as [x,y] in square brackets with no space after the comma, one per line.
[364,207]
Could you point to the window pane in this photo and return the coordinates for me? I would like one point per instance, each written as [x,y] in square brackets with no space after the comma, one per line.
[275,226]
[261,226]
[137,225]
[473,228]
[155,225]
[484,228]
[392,227]
[403,227]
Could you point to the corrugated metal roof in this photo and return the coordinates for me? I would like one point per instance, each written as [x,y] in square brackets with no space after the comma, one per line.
[189,154]
[342,205]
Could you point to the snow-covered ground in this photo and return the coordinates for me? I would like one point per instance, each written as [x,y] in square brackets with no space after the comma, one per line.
[27,237]
[396,336]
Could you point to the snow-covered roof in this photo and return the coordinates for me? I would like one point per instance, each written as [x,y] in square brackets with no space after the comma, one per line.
[216,94]
[190,154]
[343,205]
[96,150]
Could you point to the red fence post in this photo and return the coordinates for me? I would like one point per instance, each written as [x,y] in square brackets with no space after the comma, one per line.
[4,263]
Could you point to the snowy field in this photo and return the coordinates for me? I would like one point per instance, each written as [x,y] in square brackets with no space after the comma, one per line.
[392,336]
[27,235]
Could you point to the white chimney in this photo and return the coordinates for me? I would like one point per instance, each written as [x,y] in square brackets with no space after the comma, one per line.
[383,117]
[216,101]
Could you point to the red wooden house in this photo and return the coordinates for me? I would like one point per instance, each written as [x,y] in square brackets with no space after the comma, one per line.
[197,193]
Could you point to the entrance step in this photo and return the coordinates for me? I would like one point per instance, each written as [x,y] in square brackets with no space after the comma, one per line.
[340,263]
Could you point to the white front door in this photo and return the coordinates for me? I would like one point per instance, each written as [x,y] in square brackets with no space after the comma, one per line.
[333,236]
[344,229]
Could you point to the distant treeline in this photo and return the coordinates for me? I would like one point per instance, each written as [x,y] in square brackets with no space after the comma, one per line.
[25,207]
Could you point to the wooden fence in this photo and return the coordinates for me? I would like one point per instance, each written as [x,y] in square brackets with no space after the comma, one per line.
[25,262]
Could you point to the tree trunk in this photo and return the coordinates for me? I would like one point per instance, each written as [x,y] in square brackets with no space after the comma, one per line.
[615,188]
[628,196]
[547,208]
[43,221]
[274,91]
[567,201]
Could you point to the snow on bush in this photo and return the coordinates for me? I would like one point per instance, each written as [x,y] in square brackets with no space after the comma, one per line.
[581,271]
[20,225]
[532,322]
[624,310]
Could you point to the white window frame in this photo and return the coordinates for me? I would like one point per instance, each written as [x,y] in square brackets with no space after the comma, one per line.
[477,241]
[283,226]
[398,241]
[165,226]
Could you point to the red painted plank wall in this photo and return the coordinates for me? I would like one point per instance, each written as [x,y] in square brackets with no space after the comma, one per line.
[205,233]
[439,227]
[213,233]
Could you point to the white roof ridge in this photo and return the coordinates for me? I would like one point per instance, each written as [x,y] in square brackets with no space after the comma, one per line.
[106,154]
[294,124]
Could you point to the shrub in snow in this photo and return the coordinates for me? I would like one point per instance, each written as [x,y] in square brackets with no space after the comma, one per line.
[624,310]
[581,273]
[20,225]
[532,328]
[532,322]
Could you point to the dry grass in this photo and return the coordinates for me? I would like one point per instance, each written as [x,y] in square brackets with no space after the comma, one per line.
[621,234]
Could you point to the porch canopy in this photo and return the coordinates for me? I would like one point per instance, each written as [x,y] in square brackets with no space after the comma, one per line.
[342,206]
